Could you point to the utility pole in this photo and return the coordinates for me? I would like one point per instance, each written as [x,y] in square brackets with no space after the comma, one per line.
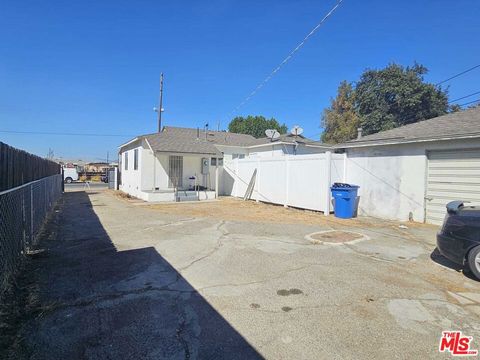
[160,109]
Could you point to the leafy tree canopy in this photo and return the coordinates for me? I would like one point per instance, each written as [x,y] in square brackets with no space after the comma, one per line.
[381,100]
[255,125]
[340,121]
[397,96]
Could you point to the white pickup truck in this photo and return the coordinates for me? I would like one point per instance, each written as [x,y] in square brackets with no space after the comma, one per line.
[70,175]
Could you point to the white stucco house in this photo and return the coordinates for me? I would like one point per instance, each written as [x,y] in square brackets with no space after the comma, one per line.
[411,172]
[179,163]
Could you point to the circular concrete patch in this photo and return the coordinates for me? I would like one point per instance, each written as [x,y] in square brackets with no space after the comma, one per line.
[335,237]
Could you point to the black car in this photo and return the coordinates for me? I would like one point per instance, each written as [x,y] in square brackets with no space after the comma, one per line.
[459,238]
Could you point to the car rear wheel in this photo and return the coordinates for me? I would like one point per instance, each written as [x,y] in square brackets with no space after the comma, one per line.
[68,180]
[474,261]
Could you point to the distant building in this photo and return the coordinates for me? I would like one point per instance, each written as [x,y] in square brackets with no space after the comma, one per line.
[99,167]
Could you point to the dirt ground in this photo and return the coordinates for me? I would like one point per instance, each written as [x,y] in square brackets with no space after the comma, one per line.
[235,209]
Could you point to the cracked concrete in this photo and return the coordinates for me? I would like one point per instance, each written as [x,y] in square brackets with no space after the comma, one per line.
[124,281]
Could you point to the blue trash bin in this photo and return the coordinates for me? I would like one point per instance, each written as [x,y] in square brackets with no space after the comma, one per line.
[345,196]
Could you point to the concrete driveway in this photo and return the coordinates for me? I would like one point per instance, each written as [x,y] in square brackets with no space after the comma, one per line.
[239,280]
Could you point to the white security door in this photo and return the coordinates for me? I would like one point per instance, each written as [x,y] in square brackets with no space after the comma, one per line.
[175,171]
[452,175]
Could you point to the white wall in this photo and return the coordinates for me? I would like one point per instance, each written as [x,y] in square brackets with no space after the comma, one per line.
[131,179]
[228,151]
[154,171]
[292,180]
[136,181]
[146,169]
[392,178]
[270,150]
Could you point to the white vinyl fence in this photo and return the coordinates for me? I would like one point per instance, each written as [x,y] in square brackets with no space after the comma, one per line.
[301,181]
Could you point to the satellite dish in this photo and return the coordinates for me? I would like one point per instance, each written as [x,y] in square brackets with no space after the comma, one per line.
[296,130]
[272,134]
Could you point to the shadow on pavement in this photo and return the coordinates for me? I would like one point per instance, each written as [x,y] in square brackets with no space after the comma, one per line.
[443,261]
[100,303]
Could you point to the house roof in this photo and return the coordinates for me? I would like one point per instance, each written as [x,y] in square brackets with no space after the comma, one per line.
[185,140]
[461,124]
[285,138]
[289,139]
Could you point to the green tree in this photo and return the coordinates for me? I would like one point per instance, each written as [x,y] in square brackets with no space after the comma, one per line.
[255,125]
[397,96]
[340,121]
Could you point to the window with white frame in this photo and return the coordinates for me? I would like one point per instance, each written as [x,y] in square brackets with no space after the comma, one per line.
[135,159]
[126,160]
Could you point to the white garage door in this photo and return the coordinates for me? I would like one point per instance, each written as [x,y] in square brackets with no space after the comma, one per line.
[452,175]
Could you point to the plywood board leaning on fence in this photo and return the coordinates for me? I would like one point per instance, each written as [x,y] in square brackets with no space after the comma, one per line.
[251,185]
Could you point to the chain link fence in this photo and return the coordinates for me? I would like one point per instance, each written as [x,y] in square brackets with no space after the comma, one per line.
[23,211]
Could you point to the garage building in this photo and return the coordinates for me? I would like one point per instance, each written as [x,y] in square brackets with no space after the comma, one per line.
[413,171]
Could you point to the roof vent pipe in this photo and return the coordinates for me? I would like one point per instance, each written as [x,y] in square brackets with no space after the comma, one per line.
[359,133]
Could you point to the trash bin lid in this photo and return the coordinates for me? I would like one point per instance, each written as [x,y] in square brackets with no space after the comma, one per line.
[344,186]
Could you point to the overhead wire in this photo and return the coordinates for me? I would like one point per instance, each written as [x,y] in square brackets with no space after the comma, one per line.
[457,75]
[470,102]
[464,97]
[287,59]
[63,133]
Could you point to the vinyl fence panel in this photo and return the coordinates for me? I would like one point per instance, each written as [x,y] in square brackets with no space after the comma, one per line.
[270,184]
[307,178]
[301,181]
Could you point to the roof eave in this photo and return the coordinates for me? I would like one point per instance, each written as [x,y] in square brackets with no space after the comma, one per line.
[270,143]
[410,141]
[130,142]
[320,146]
[188,153]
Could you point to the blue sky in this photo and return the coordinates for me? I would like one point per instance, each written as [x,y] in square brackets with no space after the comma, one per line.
[93,66]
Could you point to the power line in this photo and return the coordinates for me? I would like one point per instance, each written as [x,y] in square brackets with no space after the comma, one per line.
[460,98]
[287,59]
[464,97]
[64,134]
[459,74]
[470,102]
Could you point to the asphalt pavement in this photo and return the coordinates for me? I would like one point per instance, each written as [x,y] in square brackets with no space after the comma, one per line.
[75,186]
[122,281]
